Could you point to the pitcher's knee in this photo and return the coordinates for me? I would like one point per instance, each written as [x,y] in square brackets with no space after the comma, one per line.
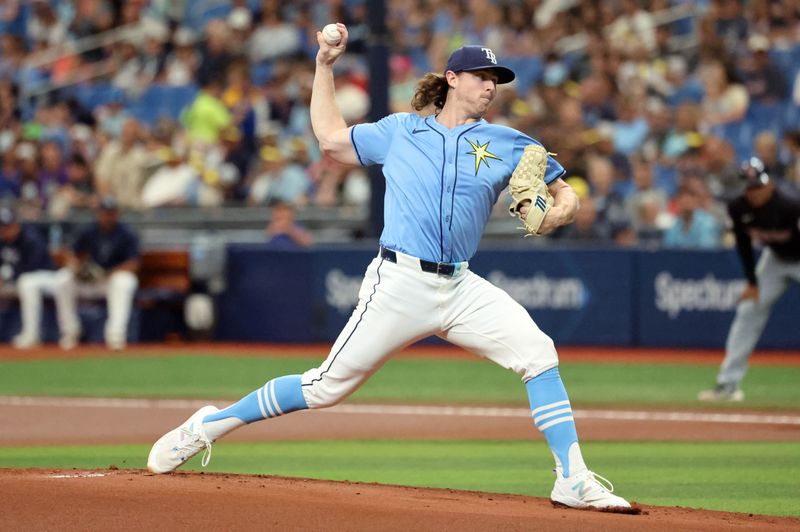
[322,390]
[540,358]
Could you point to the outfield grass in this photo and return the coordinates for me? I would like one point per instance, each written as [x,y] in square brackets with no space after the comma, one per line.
[741,477]
[401,380]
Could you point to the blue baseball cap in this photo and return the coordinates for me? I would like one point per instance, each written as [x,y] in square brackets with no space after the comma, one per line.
[473,57]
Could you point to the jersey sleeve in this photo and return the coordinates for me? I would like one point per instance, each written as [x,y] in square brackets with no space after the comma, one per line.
[371,141]
[554,168]
[129,246]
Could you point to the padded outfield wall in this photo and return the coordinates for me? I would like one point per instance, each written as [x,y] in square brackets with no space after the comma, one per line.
[578,296]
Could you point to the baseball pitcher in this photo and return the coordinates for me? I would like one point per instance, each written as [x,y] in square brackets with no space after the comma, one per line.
[444,171]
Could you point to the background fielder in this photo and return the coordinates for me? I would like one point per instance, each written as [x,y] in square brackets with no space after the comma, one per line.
[444,172]
[769,217]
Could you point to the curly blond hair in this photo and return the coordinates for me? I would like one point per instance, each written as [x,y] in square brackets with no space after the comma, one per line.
[430,94]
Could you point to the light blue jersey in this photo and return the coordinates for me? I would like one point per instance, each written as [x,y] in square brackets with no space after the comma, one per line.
[441,183]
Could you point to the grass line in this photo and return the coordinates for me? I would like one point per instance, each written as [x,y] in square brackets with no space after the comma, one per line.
[740,477]
[418,381]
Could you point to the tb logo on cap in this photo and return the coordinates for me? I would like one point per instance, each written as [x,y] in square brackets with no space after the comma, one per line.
[490,55]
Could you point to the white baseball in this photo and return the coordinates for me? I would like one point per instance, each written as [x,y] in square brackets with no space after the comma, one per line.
[331,34]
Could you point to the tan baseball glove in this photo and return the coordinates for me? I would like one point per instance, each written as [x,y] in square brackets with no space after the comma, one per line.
[90,272]
[527,183]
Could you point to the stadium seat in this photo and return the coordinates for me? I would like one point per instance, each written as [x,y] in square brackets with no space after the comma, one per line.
[739,134]
[160,101]
[766,117]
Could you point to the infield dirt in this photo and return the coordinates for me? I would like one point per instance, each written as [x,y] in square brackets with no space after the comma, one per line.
[134,500]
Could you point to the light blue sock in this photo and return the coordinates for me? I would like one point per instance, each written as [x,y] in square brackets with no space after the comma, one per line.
[552,415]
[279,396]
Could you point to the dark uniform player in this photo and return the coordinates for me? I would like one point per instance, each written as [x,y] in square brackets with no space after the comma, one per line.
[106,253]
[24,262]
[770,217]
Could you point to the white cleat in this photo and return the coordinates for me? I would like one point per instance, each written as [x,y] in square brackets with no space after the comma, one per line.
[722,392]
[177,446]
[69,340]
[584,490]
[22,341]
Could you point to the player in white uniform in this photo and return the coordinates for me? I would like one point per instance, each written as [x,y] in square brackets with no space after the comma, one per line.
[444,172]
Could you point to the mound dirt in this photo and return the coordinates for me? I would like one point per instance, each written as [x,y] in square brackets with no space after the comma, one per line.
[69,500]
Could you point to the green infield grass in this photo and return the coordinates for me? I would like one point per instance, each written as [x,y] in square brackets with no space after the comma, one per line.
[402,380]
[740,477]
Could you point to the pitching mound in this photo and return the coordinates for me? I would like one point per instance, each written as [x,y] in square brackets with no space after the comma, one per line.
[68,500]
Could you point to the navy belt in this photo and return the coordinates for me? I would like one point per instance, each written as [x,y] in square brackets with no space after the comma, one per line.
[446,269]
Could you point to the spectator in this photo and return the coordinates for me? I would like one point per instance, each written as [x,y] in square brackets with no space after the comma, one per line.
[726,100]
[207,116]
[650,221]
[9,176]
[112,115]
[645,192]
[30,202]
[609,205]
[120,169]
[52,170]
[681,88]
[239,22]
[25,263]
[174,183]
[9,111]
[730,24]
[180,65]
[765,147]
[77,192]
[214,52]
[633,28]
[12,56]
[718,167]
[283,231]
[596,94]
[280,180]
[106,255]
[44,26]
[791,142]
[586,227]
[694,227]
[630,128]
[765,83]
[91,17]
[679,139]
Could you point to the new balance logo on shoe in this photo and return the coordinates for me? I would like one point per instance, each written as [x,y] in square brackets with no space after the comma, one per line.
[582,488]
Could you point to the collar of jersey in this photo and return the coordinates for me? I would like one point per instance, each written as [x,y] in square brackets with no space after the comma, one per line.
[432,122]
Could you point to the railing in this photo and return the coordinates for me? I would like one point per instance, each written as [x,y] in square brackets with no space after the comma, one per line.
[130,32]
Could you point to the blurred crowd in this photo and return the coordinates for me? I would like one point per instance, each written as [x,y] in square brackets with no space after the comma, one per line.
[650,105]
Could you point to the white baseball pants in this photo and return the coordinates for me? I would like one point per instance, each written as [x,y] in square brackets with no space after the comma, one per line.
[774,276]
[31,286]
[120,288]
[400,304]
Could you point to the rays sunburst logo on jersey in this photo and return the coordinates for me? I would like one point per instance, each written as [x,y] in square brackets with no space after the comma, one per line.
[481,153]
